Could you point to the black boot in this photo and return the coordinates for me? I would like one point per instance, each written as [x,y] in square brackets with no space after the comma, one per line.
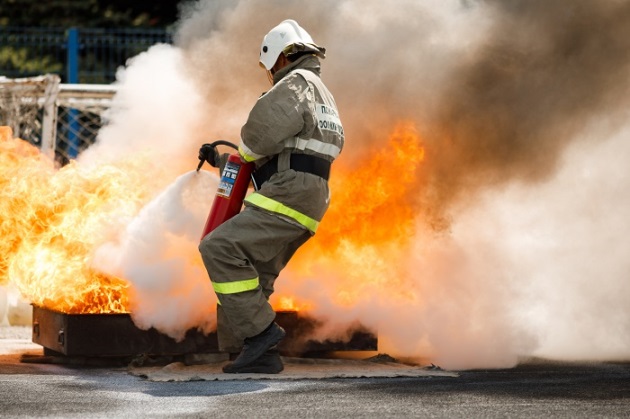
[255,347]
[269,363]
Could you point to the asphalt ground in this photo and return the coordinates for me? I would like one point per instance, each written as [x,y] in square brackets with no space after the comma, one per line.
[535,388]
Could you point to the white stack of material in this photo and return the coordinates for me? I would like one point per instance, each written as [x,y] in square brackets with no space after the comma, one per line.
[3,306]
[18,311]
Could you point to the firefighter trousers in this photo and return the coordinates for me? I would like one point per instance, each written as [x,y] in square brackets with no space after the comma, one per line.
[243,257]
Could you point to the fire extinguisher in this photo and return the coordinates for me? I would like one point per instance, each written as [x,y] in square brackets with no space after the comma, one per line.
[232,189]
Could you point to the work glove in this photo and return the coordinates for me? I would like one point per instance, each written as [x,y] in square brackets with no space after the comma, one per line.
[209,153]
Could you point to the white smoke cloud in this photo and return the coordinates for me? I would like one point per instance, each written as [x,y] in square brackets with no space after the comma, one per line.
[566,243]
[157,254]
[156,114]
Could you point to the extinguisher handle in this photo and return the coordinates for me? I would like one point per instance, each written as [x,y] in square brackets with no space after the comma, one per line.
[214,144]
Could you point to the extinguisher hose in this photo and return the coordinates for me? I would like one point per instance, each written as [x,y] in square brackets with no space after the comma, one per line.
[226,143]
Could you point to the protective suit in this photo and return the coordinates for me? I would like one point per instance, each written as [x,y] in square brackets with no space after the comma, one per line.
[293,134]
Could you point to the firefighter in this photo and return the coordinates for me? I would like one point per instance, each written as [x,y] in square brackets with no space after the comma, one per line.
[293,134]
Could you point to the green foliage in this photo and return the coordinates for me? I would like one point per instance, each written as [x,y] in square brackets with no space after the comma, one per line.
[88,13]
[22,60]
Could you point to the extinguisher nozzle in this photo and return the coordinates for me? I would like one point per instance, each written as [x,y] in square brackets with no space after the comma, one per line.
[199,165]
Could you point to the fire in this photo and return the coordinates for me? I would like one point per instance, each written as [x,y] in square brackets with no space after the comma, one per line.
[286,303]
[52,220]
[363,237]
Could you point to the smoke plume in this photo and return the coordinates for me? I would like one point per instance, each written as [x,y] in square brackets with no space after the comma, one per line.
[521,236]
[543,72]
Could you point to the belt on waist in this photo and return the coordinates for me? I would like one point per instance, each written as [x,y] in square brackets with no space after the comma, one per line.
[298,162]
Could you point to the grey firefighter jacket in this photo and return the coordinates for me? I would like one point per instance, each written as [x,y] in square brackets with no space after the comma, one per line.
[297,115]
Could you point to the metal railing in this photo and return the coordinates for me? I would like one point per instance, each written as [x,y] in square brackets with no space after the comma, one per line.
[61,119]
[80,109]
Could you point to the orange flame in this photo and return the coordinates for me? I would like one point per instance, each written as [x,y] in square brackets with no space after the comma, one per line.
[368,227]
[53,220]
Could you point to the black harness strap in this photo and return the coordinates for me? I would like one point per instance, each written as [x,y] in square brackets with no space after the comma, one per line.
[298,162]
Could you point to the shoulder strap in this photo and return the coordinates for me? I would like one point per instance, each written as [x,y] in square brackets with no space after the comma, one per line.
[308,75]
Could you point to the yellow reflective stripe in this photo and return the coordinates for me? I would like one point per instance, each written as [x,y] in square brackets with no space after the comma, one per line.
[279,208]
[247,154]
[235,286]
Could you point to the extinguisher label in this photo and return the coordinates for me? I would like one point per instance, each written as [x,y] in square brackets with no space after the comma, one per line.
[228,177]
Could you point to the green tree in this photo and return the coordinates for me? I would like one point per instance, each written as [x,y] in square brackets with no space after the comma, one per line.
[88,13]
[19,59]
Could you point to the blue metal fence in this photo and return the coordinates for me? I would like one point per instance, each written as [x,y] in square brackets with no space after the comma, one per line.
[77,55]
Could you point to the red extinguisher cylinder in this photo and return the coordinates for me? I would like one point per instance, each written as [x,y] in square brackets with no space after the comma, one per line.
[231,192]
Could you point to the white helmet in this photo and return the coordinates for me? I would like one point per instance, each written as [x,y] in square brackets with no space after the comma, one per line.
[286,34]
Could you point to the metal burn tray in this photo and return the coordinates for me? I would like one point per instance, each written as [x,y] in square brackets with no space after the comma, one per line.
[109,335]
[115,335]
